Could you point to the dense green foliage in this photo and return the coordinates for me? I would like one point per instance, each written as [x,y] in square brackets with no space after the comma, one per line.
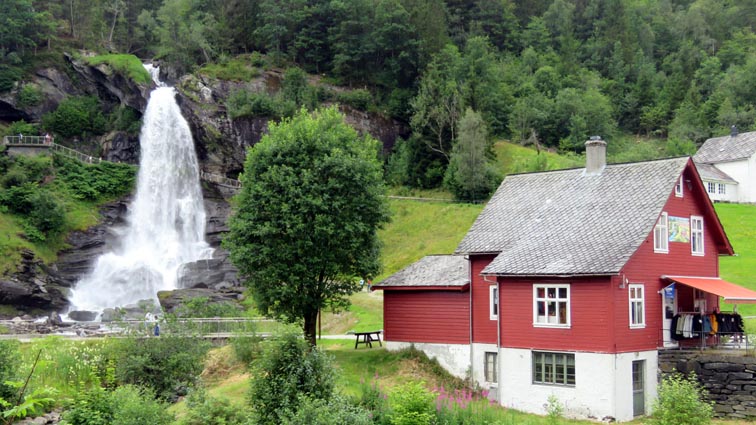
[168,365]
[288,369]
[126,405]
[549,73]
[471,175]
[128,65]
[311,198]
[681,400]
[76,116]
[38,190]
[9,362]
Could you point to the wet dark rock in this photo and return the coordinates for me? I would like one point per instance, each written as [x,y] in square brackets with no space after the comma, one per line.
[85,246]
[32,287]
[82,315]
[171,301]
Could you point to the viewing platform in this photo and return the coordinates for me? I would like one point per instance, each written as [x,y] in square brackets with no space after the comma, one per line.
[38,145]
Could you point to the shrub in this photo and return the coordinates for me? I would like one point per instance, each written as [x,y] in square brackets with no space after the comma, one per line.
[8,77]
[22,127]
[411,404]
[681,400]
[132,405]
[76,116]
[95,182]
[9,362]
[126,119]
[29,95]
[244,103]
[168,365]
[287,370]
[358,99]
[47,214]
[336,411]
[206,410]
[125,405]
[246,348]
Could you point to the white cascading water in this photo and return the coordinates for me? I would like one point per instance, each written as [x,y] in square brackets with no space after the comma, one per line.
[166,222]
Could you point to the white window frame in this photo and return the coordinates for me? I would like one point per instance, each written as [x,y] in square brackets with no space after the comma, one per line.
[637,305]
[679,187]
[661,234]
[697,235]
[711,187]
[493,302]
[545,321]
[490,367]
[721,188]
[551,369]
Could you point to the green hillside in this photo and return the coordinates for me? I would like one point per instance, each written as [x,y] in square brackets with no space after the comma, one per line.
[739,222]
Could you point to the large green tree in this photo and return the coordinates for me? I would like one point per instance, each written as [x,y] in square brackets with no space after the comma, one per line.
[304,231]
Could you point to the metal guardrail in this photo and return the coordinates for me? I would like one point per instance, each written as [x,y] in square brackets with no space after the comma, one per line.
[48,142]
[27,140]
[224,327]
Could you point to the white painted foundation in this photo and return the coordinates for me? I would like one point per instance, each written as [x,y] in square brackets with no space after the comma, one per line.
[603,387]
[455,358]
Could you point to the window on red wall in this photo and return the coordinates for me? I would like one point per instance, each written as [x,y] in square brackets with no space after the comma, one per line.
[637,306]
[661,235]
[696,235]
[679,187]
[551,305]
[493,298]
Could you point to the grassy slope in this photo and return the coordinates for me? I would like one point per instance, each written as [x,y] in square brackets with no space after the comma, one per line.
[739,222]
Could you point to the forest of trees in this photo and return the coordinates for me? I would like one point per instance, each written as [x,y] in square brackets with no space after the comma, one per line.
[548,72]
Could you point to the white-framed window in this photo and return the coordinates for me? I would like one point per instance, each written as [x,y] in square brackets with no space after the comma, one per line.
[493,299]
[696,235]
[661,235]
[711,187]
[489,368]
[551,305]
[722,188]
[554,368]
[637,306]
[679,187]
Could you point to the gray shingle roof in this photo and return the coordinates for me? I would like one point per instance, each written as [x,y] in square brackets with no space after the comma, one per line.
[433,270]
[565,222]
[727,148]
[710,172]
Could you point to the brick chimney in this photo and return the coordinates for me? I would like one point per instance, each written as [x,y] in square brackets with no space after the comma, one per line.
[595,155]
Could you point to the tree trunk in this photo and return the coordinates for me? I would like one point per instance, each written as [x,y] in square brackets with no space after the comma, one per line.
[310,326]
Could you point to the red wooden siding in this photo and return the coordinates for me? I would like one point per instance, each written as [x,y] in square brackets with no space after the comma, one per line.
[590,328]
[426,316]
[484,329]
[646,267]
[599,307]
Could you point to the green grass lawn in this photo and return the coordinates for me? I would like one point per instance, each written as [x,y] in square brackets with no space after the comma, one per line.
[739,222]
[418,229]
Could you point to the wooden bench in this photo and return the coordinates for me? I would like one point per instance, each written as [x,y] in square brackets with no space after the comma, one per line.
[368,338]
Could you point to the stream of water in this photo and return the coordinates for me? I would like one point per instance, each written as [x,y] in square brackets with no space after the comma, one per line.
[166,220]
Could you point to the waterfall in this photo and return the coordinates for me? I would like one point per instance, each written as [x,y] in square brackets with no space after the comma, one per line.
[166,220]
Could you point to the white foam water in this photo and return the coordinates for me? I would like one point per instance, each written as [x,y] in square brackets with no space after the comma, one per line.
[166,220]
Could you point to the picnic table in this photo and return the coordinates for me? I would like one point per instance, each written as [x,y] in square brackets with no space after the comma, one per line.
[368,338]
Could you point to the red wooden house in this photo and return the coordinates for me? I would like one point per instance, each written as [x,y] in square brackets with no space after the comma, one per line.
[575,281]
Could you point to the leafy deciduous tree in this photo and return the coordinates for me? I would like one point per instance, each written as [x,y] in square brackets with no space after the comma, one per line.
[304,229]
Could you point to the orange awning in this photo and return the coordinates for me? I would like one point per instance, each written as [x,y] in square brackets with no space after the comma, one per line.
[732,293]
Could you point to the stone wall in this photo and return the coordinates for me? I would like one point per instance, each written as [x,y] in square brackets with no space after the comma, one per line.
[730,378]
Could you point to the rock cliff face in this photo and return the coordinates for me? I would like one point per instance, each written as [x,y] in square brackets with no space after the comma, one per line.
[220,142]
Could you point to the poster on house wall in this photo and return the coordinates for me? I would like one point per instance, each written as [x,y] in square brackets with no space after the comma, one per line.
[679,229]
